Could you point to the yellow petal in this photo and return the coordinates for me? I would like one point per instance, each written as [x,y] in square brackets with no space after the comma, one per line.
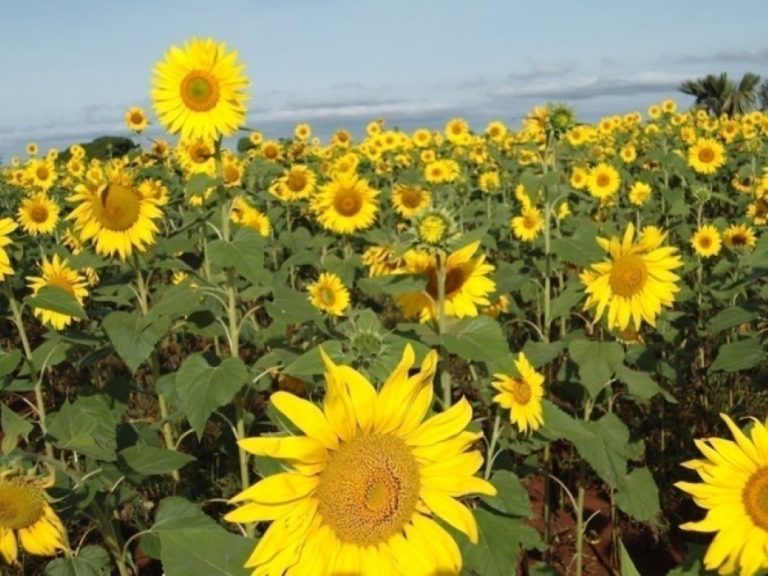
[306,417]
[442,426]
[362,395]
[450,510]
[8,547]
[279,488]
[256,512]
[436,543]
[301,448]
[290,530]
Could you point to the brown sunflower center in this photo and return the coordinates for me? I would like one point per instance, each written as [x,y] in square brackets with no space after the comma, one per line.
[137,118]
[755,497]
[42,172]
[21,504]
[271,152]
[199,153]
[327,296]
[200,91]
[118,207]
[296,180]
[529,222]
[706,155]
[38,213]
[521,391]
[738,239]
[454,280]
[705,242]
[628,275]
[411,197]
[231,173]
[369,489]
[348,203]
[603,180]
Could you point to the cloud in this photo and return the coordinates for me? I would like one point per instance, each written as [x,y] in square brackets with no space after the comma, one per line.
[594,86]
[758,56]
[537,70]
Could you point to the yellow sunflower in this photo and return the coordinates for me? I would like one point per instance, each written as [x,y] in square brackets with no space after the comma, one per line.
[27,518]
[579,178]
[196,156]
[364,487]
[706,156]
[521,395]
[528,225]
[603,181]
[739,236]
[467,285]
[117,218]
[639,193]
[489,181]
[733,490]
[38,214]
[244,214]
[346,204]
[41,173]
[496,131]
[296,183]
[706,241]
[408,199]
[302,131]
[199,90]
[136,119]
[329,294]
[457,131]
[56,272]
[635,283]
[381,261]
[7,225]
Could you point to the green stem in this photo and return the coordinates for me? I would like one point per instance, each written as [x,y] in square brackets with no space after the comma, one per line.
[492,445]
[580,501]
[445,375]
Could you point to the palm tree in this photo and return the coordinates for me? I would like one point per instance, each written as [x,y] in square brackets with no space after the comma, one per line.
[719,95]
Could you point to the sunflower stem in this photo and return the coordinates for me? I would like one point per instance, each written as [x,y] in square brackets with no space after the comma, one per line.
[445,375]
[580,501]
[18,319]
[492,446]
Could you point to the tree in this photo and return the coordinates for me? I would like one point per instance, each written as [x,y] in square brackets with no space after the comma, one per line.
[717,94]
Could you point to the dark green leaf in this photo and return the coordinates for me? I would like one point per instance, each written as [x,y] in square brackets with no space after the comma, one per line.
[9,361]
[640,384]
[597,362]
[86,426]
[132,336]
[204,552]
[730,317]
[638,495]
[90,561]
[148,460]
[14,426]
[244,253]
[512,497]
[740,355]
[479,339]
[58,300]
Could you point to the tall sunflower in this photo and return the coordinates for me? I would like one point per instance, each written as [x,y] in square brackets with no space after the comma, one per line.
[707,241]
[7,225]
[706,156]
[296,183]
[346,204]
[136,119]
[245,214]
[56,272]
[38,214]
[117,218]
[733,490]
[364,487]
[329,294]
[528,225]
[199,90]
[603,181]
[408,199]
[521,394]
[635,283]
[466,283]
[26,517]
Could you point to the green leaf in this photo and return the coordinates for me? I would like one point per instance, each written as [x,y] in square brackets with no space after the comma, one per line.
[14,426]
[541,353]
[87,426]
[740,355]
[608,450]
[174,513]
[392,284]
[148,460]
[501,539]
[9,361]
[479,339]
[625,561]
[291,307]
[311,363]
[641,385]
[638,495]
[132,336]
[58,300]
[198,184]
[559,425]
[511,497]
[176,302]
[201,388]
[564,303]
[90,561]
[730,317]
[244,253]
[581,248]
[204,552]
[597,362]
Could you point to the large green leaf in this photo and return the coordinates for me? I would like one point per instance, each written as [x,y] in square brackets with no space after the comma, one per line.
[638,495]
[511,496]
[89,561]
[58,300]
[9,361]
[581,247]
[608,450]
[739,355]
[148,460]
[86,426]
[14,426]
[597,361]
[479,338]
[201,388]
[730,317]
[244,253]
[133,336]
[640,384]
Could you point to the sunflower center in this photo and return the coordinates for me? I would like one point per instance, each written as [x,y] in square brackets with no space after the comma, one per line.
[706,155]
[199,153]
[118,208]
[529,223]
[61,281]
[521,391]
[296,181]
[137,118]
[21,504]
[705,242]
[628,275]
[410,197]
[454,280]
[231,173]
[42,172]
[432,229]
[755,497]
[200,91]
[369,489]
[327,296]
[739,239]
[603,180]
[38,214]
[348,203]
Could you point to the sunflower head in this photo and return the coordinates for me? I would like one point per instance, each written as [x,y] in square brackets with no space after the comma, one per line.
[521,393]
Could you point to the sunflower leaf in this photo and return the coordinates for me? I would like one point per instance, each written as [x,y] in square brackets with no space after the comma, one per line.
[57,300]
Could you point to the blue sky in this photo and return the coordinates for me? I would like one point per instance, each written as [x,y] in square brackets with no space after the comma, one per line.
[70,69]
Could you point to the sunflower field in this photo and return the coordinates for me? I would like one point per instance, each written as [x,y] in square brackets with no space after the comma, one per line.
[534,349]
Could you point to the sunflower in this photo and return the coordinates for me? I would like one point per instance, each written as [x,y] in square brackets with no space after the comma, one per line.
[467,285]
[296,183]
[117,217]
[364,487]
[58,274]
[272,150]
[199,90]
[639,193]
[346,204]
[706,156]
[489,181]
[733,490]
[196,156]
[302,131]
[409,199]
[579,178]
[246,215]
[32,149]
[421,138]
[26,517]
[496,131]
[457,131]
[528,225]
[706,241]
[38,214]
[603,181]
[521,395]
[41,174]
[739,236]
[329,294]
[381,261]
[635,283]
[7,225]
[136,119]
[628,153]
